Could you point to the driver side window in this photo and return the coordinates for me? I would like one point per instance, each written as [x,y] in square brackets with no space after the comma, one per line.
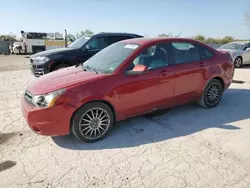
[154,57]
[99,43]
[247,46]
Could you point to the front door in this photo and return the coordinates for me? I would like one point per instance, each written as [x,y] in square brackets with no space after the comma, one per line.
[246,54]
[149,91]
[93,46]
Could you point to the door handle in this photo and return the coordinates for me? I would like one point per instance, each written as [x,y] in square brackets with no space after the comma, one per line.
[202,64]
[164,72]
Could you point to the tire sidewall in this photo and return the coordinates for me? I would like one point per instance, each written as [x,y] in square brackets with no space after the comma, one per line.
[78,115]
[204,99]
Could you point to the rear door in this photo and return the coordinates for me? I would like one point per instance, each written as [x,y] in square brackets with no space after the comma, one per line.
[189,69]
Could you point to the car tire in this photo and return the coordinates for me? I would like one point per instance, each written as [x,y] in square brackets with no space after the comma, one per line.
[92,122]
[212,94]
[61,66]
[238,62]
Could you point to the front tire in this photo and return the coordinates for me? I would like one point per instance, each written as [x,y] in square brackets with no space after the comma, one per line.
[92,122]
[238,62]
[212,94]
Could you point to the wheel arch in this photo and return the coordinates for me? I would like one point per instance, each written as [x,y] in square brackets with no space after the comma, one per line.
[221,81]
[240,57]
[102,101]
[217,77]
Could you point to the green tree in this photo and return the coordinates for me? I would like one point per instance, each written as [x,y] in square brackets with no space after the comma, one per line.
[211,40]
[86,32]
[199,37]
[226,39]
[9,37]
[71,37]
[165,35]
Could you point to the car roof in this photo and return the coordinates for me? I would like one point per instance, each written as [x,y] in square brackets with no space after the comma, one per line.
[116,33]
[145,41]
[241,42]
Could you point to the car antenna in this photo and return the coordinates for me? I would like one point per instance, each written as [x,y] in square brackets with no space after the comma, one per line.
[180,33]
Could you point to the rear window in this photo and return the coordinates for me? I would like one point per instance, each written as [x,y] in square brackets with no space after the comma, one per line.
[185,52]
[205,53]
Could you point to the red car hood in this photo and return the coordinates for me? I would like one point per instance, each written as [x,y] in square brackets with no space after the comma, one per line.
[61,79]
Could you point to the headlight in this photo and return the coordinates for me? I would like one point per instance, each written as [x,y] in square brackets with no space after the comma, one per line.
[39,59]
[47,100]
[233,53]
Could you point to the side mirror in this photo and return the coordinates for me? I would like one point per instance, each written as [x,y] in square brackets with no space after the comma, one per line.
[248,49]
[138,69]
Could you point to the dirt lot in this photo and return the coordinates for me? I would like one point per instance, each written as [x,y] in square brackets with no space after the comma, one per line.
[185,146]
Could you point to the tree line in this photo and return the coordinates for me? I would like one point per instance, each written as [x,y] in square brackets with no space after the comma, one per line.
[201,38]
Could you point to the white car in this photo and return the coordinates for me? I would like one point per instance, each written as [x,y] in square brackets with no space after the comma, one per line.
[240,52]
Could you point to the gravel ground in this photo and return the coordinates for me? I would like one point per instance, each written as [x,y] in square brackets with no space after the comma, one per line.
[186,146]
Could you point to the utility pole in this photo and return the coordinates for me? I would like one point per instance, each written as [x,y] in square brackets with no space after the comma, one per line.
[65,38]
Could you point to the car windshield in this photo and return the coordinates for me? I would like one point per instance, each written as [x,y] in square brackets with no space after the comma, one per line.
[107,60]
[78,43]
[233,46]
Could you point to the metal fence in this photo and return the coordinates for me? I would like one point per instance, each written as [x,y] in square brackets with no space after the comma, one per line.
[4,46]
[215,45]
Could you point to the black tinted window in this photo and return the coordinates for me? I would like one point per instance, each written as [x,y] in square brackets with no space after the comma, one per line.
[119,38]
[247,46]
[185,52]
[99,43]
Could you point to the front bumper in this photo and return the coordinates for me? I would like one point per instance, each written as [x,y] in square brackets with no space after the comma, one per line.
[54,121]
[36,71]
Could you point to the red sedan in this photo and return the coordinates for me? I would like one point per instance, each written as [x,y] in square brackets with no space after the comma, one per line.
[128,78]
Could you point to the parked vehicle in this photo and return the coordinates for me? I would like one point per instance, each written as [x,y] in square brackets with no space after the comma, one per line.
[77,52]
[34,42]
[128,78]
[16,48]
[240,52]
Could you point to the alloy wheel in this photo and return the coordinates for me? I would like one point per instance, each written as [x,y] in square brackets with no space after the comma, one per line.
[237,62]
[213,94]
[94,123]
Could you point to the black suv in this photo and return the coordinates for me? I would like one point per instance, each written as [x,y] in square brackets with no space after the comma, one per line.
[77,52]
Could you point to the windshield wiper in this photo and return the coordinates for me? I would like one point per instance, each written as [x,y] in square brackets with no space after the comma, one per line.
[90,68]
[77,65]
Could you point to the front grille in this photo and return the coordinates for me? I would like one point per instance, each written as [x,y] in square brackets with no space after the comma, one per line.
[28,96]
[38,73]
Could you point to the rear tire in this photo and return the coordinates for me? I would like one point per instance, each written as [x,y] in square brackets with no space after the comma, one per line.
[92,122]
[238,62]
[212,94]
